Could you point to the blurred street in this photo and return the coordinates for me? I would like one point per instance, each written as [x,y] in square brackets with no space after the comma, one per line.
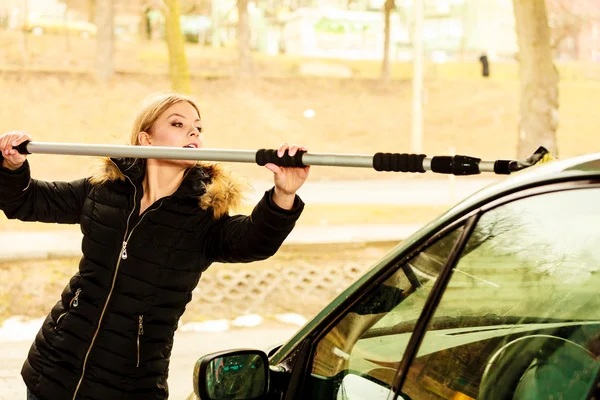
[67,242]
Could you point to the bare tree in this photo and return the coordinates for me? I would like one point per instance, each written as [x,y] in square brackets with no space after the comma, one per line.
[104,39]
[92,11]
[65,26]
[539,78]
[24,41]
[566,21]
[178,65]
[195,6]
[563,26]
[243,39]
[388,6]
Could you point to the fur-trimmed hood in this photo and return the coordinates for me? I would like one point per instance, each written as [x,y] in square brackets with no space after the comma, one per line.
[215,186]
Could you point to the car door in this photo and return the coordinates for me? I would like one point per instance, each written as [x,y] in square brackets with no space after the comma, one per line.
[390,336]
[519,317]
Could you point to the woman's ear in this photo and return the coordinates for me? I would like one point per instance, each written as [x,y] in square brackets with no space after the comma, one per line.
[144,139]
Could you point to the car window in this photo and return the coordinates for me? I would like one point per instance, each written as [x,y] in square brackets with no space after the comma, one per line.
[356,358]
[520,318]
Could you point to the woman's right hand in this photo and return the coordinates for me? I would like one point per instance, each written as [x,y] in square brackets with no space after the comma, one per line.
[12,158]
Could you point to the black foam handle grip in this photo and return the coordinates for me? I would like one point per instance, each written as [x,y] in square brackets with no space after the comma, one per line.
[265,156]
[398,162]
[457,165]
[22,148]
[503,167]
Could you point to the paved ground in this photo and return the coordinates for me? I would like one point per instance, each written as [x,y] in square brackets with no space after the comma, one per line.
[188,347]
[67,243]
[443,191]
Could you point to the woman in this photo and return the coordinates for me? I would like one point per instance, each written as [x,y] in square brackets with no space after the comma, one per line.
[151,227]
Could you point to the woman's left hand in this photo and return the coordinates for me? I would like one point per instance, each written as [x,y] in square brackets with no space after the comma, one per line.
[288,179]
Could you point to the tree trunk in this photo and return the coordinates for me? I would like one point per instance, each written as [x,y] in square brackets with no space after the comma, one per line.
[25,42]
[65,30]
[385,66]
[243,36]
[92,11]
[539,79]
[178,65]
[104,40]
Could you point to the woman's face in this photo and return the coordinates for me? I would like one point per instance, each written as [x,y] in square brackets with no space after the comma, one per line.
[178,126]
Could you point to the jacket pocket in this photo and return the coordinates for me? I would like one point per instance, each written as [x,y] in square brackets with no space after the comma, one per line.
[140,332]
[72,304]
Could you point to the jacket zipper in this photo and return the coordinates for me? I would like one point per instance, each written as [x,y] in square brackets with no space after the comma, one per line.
[122,256]
[72,304]
[140,333]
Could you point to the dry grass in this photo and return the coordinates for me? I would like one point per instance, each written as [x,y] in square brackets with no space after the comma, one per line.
[366,214]
[357,116]
[31,288]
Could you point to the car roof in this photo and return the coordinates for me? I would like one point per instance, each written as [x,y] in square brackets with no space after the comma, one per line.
[581,167]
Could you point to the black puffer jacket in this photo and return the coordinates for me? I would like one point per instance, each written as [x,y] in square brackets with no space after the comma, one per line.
[110,335]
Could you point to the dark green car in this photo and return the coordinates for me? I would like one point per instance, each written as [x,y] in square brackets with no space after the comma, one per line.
[499,298]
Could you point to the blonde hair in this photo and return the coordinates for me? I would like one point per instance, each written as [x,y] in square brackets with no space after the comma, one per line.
[152,107]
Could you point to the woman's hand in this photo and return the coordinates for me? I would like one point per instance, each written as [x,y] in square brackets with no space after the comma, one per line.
[12,158]
[287,179]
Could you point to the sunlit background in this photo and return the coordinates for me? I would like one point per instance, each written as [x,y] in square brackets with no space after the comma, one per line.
[493,79]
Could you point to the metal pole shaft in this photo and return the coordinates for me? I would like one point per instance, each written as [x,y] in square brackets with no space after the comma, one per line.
[169,153]
[397,162]
[176,153]
[338,160]
[486,166]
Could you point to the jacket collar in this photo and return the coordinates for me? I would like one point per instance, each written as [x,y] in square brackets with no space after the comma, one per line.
[215,187]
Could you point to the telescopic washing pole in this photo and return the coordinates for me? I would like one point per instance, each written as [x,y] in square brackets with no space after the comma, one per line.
[393,162]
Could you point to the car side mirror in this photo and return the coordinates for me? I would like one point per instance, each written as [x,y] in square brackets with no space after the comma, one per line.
[234,374]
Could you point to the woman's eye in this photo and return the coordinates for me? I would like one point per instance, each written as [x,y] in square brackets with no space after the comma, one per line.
[199,129]
[177,124]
